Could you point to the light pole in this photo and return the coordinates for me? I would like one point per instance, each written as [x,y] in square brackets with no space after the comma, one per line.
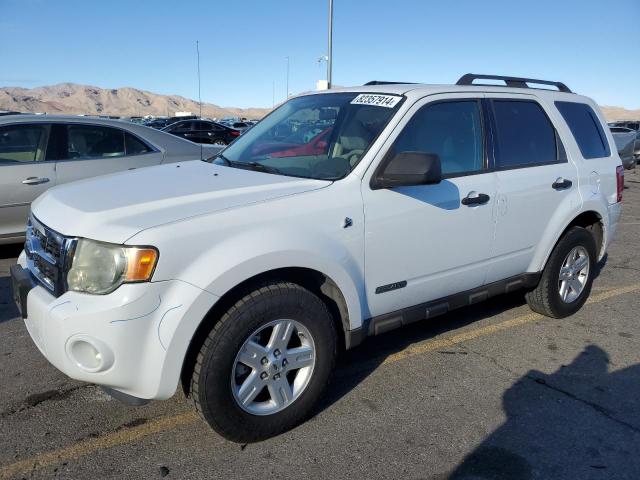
[287,92]
[329,54]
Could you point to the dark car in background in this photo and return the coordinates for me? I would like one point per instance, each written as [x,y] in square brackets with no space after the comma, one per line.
[157,123]
[203,131]
[626,142]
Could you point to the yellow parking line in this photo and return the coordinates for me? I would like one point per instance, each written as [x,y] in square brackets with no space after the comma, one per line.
[87,447]
[432,345]
[163,424]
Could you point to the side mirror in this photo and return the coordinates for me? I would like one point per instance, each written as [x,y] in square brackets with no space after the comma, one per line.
[409,168]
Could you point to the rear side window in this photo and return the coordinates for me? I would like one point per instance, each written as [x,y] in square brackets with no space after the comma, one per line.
[452,130]
[586,129]
[134,146]
[93,141]
[23,143]
[524,135]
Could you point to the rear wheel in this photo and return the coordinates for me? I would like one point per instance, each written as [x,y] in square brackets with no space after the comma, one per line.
[265,364]
[567,278]
[219,142]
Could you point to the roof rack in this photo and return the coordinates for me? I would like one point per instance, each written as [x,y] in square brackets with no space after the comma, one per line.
[381,82]
[516,82]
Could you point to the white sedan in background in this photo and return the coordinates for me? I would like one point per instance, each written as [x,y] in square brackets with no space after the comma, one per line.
[38,152]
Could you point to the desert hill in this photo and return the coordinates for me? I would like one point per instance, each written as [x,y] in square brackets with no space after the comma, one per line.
[71,98]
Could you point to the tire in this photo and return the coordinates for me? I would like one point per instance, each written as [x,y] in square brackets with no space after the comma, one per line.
[546,297]
[215,381]
[219,142]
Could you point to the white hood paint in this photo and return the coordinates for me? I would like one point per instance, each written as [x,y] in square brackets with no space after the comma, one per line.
[115,207]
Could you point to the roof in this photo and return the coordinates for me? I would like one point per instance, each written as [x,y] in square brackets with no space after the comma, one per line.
[416,90]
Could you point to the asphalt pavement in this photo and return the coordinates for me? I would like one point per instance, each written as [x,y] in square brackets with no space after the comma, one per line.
[489,392]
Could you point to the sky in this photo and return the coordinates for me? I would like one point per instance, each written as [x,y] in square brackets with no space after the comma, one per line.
[591,45]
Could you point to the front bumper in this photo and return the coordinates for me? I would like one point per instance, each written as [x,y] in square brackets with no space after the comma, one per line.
[133,340]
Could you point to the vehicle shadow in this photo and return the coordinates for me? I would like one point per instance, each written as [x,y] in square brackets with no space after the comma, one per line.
[10,251]
[581,421]
[8,310]
[356,365]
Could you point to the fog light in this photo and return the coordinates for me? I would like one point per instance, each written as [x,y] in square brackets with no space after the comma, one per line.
[89,354]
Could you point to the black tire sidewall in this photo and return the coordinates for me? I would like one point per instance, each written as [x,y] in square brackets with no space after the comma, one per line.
[576,236]
[218,405]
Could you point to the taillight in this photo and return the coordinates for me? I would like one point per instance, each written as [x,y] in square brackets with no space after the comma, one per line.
[235,133]
[620,181]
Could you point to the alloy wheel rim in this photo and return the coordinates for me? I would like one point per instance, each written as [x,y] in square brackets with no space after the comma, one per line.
[574,274]
[273,367]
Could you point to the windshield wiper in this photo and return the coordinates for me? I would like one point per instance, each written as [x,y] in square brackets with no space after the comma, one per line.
[248,165]
[260,167]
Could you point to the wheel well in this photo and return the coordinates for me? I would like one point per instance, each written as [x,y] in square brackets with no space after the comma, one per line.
[318,283]
[592,222]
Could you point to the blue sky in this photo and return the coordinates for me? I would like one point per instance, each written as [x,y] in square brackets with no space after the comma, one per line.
[591,45]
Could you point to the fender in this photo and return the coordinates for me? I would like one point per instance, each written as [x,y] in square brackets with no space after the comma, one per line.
[559,223]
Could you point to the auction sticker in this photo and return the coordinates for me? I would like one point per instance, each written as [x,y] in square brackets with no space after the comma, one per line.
[388,101]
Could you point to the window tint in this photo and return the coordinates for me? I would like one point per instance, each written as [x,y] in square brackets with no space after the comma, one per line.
[92,141]
[452,130]
[134,146]
[586,129]
[23,143]
[524,134]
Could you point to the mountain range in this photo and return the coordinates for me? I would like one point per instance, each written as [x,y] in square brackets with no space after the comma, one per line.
[71,98]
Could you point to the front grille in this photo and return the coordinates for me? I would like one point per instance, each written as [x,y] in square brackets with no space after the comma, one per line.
[46,252]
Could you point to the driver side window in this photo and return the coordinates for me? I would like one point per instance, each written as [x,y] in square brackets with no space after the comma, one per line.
[452,130]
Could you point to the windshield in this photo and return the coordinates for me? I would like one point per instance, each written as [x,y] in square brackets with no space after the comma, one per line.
[315,136]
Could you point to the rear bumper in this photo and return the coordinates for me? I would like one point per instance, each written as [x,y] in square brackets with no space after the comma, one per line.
[615,211]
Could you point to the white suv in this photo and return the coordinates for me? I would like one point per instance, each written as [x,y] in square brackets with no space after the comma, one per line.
[342,214]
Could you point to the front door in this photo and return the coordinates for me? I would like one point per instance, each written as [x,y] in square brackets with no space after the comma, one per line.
[24,174]
[426,242]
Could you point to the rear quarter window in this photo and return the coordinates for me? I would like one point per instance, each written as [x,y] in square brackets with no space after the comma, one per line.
[586,129]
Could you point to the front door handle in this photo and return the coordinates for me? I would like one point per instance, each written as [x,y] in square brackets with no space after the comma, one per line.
[561,184]
[35,180]
[475,198]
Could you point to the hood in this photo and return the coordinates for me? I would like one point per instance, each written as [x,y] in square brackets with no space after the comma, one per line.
[115,207]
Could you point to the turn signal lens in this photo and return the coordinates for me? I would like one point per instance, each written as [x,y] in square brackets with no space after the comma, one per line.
[140,264]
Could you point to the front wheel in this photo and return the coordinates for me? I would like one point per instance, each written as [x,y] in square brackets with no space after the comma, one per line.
[265,364]
[566,280]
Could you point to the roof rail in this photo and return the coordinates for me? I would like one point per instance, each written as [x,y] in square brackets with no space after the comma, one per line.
[516,82]
[381,82]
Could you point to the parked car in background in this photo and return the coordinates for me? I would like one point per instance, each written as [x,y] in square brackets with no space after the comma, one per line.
[632,124]
[203,131]
[158,123]
[626,140]
[38,152]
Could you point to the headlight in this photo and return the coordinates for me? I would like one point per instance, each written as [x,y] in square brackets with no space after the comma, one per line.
[100,268]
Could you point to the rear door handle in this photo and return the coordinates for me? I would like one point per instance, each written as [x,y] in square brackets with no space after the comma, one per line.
[35,180]
[475,198]
[561,184]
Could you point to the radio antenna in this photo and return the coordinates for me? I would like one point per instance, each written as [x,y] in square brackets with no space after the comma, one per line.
[199,95]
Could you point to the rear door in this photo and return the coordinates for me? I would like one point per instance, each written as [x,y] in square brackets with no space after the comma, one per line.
[535,179]
[92,150]
[25,173]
